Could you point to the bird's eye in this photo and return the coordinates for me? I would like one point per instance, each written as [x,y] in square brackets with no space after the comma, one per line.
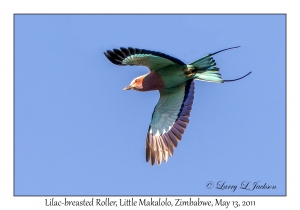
[136,80]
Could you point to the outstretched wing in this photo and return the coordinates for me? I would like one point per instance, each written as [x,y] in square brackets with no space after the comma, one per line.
[169,120]
[141,57]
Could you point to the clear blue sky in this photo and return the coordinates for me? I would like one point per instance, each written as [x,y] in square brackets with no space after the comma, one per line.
[78,133]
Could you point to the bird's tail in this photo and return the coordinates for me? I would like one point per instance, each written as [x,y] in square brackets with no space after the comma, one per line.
[205,68]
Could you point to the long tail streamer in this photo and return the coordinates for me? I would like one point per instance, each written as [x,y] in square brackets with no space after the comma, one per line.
[232,80]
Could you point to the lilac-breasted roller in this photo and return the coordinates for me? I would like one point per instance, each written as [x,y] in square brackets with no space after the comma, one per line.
[175,82]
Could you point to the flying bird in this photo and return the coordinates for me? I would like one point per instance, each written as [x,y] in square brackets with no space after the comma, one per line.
[175,82]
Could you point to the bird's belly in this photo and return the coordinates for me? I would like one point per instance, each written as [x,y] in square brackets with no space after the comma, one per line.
[173,76]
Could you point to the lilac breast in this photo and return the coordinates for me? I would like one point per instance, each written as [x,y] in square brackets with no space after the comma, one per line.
[153,81]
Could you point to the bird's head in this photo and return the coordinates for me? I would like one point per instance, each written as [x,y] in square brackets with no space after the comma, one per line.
[136,84]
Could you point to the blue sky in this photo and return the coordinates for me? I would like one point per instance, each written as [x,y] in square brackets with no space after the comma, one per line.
[78,133]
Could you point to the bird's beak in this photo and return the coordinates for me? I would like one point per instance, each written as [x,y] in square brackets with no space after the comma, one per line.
[128,87]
